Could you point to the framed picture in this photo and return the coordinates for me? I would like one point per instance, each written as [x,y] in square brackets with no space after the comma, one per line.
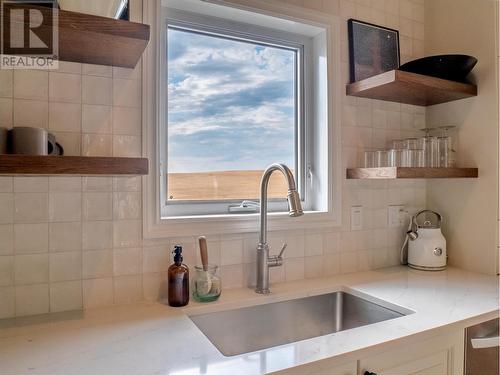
[372,49]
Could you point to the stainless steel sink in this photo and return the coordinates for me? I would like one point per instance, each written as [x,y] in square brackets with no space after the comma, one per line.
[259,327]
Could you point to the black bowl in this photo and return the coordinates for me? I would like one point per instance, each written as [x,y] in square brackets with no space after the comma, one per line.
[451,67]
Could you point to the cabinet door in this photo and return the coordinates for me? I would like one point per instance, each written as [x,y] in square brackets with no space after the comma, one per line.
[442,355]
[433,365]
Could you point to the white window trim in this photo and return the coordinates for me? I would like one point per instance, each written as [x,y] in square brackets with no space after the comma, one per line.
[156,227]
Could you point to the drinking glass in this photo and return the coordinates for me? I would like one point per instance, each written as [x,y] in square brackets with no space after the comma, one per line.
[412,143]
[381,159]
[369,159]
[416,158]
[398,144]
[448,155]
[431,149]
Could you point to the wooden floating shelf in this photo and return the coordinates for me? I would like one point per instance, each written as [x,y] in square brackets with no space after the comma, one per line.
[71,165]
[410,88]
[90,39]
[396,172]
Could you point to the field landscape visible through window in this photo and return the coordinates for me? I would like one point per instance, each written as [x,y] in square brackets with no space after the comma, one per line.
[223,185]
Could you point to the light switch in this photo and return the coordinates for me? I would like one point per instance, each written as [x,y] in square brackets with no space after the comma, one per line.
[357,218]
[398,216]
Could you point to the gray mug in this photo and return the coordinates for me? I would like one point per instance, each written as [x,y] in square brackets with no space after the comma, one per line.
[4,134]
[29,141]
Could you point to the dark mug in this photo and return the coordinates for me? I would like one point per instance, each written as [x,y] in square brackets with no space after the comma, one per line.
[54,148]
[29,141]
[4,134]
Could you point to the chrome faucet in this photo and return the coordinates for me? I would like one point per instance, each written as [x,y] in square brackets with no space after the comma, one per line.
[264,261]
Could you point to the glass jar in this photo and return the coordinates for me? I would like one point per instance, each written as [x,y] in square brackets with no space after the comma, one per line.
[206,284]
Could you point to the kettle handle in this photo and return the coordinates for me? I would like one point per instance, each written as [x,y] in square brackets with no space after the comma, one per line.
[414,219]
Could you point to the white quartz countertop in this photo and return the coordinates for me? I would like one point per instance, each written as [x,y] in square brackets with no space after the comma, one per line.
[156,339]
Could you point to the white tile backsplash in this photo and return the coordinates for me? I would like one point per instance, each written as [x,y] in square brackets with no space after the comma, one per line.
[31,238]
[77,242]
[32,299]
[31,269]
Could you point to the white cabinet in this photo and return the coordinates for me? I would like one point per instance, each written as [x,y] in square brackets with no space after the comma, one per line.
[443,355]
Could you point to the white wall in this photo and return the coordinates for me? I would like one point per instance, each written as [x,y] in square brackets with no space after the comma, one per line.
[470,208]
[68,243]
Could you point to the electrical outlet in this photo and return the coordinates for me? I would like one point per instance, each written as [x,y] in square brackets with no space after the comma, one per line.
[398,216]
[357,218]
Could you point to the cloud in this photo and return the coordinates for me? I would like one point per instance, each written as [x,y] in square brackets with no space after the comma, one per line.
[231,104]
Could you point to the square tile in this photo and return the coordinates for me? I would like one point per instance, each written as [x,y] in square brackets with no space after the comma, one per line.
[6,112]
[127,183]
[31,238]
[97,119]
[98,292]
[97,235]
[31,184]
[98,206]
[151,284]
[31,84]
[32,113]
[313,267]
[6,184]
[97,70]
[65,236]
[6,83]
[126,93]
[6,208]
[97,145]
[31,269]
[64,87]
[313,244]
[97,90]
[31,207]
[294,269]
[6,239]
[6,270]
[66,296]
[65,207]
[69,67]
[32,299]
[7,302]
[65,117]
[127,289]
[65,184]
[156,259]
[97,264]
[127,205]
[127,261]
[232,276]
[231,252]
[65,266]
[127,146]
[127,121]
[127,233]
[97,184]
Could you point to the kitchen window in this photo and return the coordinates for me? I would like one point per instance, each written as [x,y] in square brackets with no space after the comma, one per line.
[240,90]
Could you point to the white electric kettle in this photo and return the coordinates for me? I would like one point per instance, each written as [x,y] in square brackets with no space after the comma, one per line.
[426,244]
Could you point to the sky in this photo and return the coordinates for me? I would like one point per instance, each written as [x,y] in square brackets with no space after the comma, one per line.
[230,104]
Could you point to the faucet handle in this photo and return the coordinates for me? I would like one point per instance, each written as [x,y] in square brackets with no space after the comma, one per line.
[283,248]
[277,260]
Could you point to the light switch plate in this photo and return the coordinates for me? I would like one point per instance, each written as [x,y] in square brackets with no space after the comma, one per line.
[398,216]
[357,218]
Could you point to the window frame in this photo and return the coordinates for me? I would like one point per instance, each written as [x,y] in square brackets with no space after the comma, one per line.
[304,74]
[327,145]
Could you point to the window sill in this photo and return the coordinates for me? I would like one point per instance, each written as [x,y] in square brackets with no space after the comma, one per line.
[231,224]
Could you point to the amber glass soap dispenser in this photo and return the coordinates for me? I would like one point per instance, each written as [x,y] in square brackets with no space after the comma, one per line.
[178,281]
